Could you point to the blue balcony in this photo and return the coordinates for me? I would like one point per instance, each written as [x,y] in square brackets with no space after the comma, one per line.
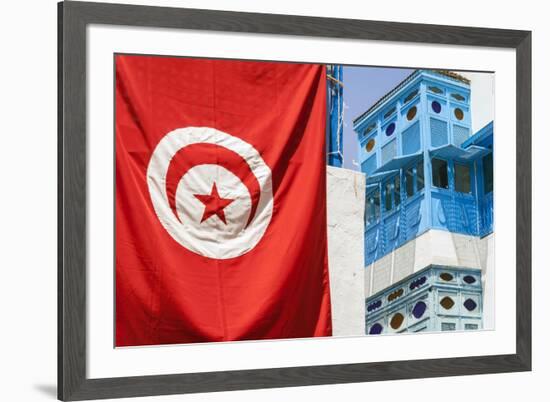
[424,168]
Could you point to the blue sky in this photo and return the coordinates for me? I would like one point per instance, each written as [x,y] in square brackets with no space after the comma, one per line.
[363,86]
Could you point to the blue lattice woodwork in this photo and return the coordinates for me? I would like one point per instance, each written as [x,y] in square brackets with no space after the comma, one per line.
[437,298]
[484,178]
[424,167]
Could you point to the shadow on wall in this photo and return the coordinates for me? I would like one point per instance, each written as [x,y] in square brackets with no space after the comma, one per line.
[47,389]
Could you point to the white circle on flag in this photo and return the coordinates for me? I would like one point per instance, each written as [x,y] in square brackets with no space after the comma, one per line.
[213,232]
[211,237]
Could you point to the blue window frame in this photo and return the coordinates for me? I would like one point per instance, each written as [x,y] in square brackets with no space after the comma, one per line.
[372,207]
[440,173]
[463,179]
[414,178]
[420,175]
[488,173]
[397,191]
[388,191]
[392,193]
[409,181]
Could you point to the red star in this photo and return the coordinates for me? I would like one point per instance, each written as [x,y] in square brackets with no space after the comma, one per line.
[214,204]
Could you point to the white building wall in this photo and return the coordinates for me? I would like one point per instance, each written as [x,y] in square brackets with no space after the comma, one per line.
[482,90]
[487,250]
[345,205]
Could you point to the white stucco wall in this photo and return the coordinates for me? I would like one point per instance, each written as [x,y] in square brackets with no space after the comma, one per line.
[345,205]
[482,103]
[487,252]
[438,247]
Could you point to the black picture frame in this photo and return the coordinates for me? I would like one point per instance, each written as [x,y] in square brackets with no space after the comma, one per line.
[73,18]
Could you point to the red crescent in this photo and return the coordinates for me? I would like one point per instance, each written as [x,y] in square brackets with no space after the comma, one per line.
[204,153]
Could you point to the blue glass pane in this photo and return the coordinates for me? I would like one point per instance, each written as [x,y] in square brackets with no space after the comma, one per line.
[438,132]
[389,151]
[369,165]
[417,283]
[411,139]
[375,329]
[436,106]
[470,305]
[374,306]
[419,309]
[460,134]
[390,129]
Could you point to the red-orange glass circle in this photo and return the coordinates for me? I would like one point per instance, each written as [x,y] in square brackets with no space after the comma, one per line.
[370,144]
[397,320]
[411,113]
[447,303]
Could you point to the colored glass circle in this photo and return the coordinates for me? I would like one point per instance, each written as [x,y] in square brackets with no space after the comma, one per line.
[458,97]
[470,305]
[447,303]
[390,129]
[396,320]
[411,113]
[375,329]
[436,106]
[459,114]
[374,305]
[419,309]
[370,144]
[445,276]
[417,283]
[469,279]
[395,295]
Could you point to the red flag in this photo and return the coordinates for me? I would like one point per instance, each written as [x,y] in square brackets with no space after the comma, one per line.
[221,229]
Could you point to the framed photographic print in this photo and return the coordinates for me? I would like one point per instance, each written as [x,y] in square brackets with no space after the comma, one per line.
[314,200]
